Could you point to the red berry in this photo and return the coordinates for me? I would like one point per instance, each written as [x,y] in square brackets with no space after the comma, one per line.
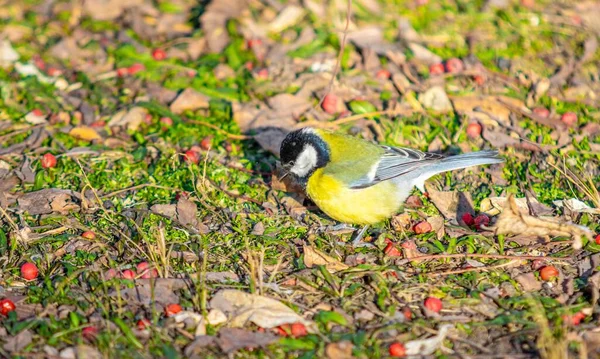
[122,71]
[569,118]
[29,271]
[39,63]
[48,161]
[528,3]
[574,319]
[6,306]
[383,74]
[397,350]
[479,79]
[597,239]
[37,112]
[89,333]
[422,227]
[481,220]
[436,69]
[284,330]
[135,68]
[407,313]
[330,104]
[143,324]
[249,66]
[191,73]
[192,156]
[468,219]
[254,43]
[166,122]
[89,235]
[127,274]
[473,130]
[159,54]
[299,330]
[548,273]
[206,143]
[421,2]
[53,71]
[541,111]
[391,250]
[172,309]
[433,304]
[262,74]
[143,269]
[454,65]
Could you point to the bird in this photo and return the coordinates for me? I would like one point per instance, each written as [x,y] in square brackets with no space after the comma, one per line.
[358,182]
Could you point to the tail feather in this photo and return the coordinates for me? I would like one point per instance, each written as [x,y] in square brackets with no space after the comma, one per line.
[457,162]
[466,160]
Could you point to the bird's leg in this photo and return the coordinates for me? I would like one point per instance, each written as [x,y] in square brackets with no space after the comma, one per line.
[357,241]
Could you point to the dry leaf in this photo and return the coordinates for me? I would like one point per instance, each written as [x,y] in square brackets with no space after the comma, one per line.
[79,352]
[18,342]
[529,282]
[575,205]
[436,99]
[84,133]
[314,257]
[241,308]
[289,16]
[131,119]
[339,350]
[494,205]
[451,204]
[47,201]
[232,339]
[189,100]
[214,18]
[480,106]
[512,221]
[428,346]
[8,55]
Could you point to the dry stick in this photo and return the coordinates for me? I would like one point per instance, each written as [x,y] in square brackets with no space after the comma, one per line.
[340,54]
[476,255]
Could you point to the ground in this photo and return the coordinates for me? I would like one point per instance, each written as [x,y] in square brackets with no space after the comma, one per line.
[138,172]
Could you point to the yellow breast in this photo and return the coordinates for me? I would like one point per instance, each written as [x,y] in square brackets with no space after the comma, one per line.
[357,206]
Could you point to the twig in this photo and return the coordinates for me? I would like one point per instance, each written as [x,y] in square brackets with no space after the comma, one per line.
[218,129]
[340,54]
[473,269]
[475,255]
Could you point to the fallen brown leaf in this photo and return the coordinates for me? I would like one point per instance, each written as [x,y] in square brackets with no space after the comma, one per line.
[339,350]
[241,308]
[84,133]
[314,257]
[513,221]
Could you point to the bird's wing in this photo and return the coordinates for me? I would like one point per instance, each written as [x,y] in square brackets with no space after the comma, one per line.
[395,161]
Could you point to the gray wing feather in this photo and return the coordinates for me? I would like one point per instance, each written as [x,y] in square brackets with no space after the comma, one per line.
[396,161]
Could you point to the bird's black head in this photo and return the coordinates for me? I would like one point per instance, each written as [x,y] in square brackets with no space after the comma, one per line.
[303,152]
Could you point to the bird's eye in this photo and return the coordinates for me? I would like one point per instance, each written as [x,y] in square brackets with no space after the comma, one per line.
[294,144]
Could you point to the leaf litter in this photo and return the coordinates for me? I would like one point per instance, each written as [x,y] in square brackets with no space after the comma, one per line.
[108,102]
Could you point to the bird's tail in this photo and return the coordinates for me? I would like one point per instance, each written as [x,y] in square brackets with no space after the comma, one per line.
[466,160]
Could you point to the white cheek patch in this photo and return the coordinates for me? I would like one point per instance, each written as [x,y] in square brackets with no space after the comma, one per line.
[306,161]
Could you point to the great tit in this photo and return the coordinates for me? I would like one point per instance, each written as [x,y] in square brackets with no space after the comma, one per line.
[358,182]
